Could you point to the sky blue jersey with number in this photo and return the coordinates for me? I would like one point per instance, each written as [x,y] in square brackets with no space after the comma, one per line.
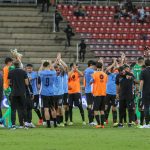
[87,74]
[47,82]
[65,82]
[58,85]
[111,84]
[34,81]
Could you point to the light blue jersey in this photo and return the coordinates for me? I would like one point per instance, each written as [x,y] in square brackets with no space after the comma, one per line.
[111,84]
[58,85]
[65,83]
[34,81]
[87,74]
[47,82]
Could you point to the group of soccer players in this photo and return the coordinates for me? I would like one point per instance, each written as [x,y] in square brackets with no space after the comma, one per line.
[106,88]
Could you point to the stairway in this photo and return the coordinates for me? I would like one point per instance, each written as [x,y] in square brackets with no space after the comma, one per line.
[31,32]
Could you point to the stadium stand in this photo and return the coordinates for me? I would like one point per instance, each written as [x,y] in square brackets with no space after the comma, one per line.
[106,37]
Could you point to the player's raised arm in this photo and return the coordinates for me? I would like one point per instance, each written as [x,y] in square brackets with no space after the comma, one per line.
[112,65]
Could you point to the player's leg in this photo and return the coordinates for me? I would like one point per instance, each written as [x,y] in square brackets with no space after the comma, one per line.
[46,101]
[78,103]
[60,109]
[66,107]
[122,111]
[102,108]
[107,107]
[89,98]
[36,109]
[131,112]
[96,108]
[114,109]
[70,100]
[13,111]
[53,111]
[147,112]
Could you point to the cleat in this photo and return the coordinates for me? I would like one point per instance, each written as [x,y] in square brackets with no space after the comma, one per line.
[31,125]
[120,125]
[70,123]
[40,122]
[84,123]
[13,127]
[92,124]
[98,126]
[115,124]
[61,125]
[65,123]
[20,127]
[102,126]
[44,123]
[130,125]
[145,127]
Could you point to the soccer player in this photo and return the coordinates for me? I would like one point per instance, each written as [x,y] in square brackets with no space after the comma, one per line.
[35,83]
[125,83]
[111,93]
[144,88]
[6,88]
[74,91]
[47,75]
[99,80]
[137,72]
[88,90]
[58,95]
[18,80]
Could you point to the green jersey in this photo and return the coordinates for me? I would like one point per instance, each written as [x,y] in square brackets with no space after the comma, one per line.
[137,71]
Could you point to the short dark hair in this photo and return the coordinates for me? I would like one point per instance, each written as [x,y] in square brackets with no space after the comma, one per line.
[99,65]
[140,58]
[147,62]
[91,63]
[29,65]
[8,59]
[72,64]
[121,68]
[17,64]
[46,64]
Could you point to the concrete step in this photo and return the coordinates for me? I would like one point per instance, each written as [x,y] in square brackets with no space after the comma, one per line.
[60,42]
[24,13]
[38,48]
[26,30]
[33,36]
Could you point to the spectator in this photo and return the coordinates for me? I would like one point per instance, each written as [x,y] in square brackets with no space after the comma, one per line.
[82,51]
[129,6]
[120,4]
[69,34]
[45,2]
[79,11]
[1,98]
[141,13]
[58,18]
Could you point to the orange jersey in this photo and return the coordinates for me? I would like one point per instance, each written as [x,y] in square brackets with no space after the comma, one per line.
[5,77]
[99,84]
[74,83]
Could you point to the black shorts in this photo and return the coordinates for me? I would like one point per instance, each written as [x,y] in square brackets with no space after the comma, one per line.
[129,104]
[89,98]
[65,99]
[75,99]
[48,101]
[111,100]
[99,103]
[36,102]
[58,101]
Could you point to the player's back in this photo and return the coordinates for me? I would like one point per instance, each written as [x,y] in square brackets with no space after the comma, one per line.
[88,76]
[47,82]
[74,83]
[58,85]
[100,82]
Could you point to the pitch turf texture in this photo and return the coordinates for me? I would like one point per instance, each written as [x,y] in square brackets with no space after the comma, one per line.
[75,137]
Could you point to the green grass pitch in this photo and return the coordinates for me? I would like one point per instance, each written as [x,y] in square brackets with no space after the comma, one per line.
[76,137]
